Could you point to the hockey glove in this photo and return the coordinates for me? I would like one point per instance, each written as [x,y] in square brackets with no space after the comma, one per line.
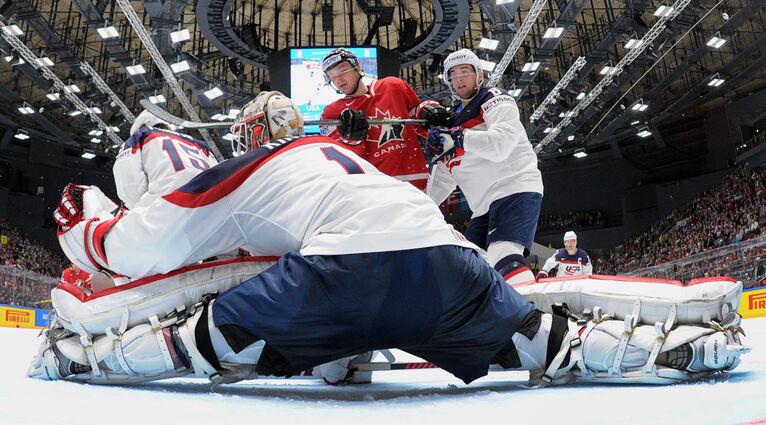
[444,143]
[69,211]
[435,114]
[541,275]
[353,126]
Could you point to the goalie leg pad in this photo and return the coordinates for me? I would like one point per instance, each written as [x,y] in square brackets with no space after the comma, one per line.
[686,353]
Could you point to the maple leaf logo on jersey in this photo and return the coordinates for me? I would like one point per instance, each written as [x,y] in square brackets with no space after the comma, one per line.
[386,133]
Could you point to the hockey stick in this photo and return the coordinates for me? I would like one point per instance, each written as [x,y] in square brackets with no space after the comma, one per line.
[383,366]
[175,120]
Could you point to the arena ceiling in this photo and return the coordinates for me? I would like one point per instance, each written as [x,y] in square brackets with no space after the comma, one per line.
[231,41]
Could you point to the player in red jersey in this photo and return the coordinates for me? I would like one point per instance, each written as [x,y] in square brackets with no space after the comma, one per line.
[392,149]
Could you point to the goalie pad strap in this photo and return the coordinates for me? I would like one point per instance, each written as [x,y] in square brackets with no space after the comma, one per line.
[559,328]
[662,329]
[204,343]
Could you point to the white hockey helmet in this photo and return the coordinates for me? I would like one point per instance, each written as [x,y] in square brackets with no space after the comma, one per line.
[147,119]
[271,115]
[462,57]
[570,235]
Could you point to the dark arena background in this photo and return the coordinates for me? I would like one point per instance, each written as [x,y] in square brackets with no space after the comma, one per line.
[648,119]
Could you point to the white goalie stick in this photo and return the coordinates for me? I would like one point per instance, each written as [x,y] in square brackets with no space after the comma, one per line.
[178,121]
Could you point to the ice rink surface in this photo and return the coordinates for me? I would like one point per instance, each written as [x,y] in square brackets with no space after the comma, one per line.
[429,397]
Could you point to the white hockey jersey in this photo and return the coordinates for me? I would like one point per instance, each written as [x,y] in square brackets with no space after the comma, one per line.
[308,194]
[154,162]
[497,159]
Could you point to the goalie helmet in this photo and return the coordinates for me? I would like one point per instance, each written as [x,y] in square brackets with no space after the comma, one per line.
[271,115]
[462,57]
[147,119]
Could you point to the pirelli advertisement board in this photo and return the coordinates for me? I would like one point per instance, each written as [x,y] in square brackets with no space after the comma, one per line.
[21,317]
[753,303]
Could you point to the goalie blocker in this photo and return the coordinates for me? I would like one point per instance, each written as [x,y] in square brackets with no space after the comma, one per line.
[557,347]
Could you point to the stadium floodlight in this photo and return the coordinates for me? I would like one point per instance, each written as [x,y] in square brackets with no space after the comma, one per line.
[580,153]
[571,137]
[180,36]
[548,130]
[634,43]
[716,81]
[219,117]
[640,106]
[108,32]
[72,88]
[487,65]
[501,2]
[233,112]
[516,92]
[13,30]
[663,11]
[581,96]
[716,41]
[180,66]
[53,96]
[95,140]
[135,69]
[74,113]
[94,109]
[553,32]
[608,70]
[88,155]
[14,60]
[115,128]
[26,109]
[644,134]
[562,114]
[44,61]
[21,135]
[488,43]
[157,99]
[213,93]
[530,67]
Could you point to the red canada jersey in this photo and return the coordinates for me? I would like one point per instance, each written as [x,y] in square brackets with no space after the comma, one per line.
[392,149]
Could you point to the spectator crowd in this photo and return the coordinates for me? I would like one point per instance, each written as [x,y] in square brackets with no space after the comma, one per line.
[727,214]
[572,220]
[19,253]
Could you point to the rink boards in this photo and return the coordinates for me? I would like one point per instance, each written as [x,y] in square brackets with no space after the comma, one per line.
[22,317]
[752,305]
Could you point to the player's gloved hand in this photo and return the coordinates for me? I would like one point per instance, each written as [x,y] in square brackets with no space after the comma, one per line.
[444,143]
[69,211]
[541,275]
[435,114]
[353,126]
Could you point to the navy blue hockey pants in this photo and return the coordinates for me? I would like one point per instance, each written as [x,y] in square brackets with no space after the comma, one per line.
[444,304]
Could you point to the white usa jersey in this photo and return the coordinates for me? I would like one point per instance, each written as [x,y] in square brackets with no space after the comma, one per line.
[497,159]
[154,162]
[308,194]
